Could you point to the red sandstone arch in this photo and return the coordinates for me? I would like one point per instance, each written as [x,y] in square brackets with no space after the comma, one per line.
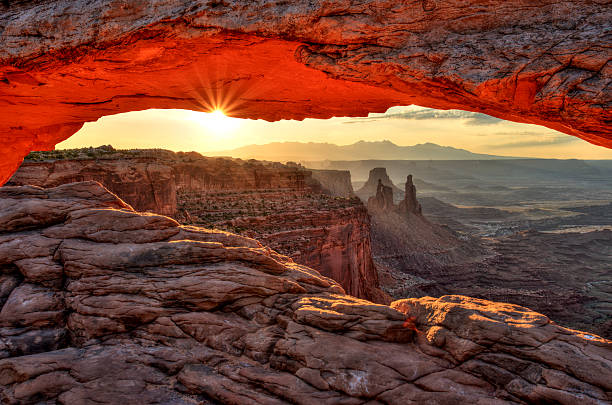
[63,63]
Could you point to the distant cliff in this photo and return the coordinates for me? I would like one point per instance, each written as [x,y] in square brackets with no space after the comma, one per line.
[336,182]
[145,183]
[406,246]
[376,176]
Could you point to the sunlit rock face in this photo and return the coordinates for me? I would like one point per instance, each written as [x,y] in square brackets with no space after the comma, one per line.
[63,63]
[128,307]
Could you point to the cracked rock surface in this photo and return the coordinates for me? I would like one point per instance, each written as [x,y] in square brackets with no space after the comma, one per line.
[65,62]
[102,304]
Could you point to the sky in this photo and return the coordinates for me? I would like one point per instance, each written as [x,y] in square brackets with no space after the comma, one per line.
[182,130]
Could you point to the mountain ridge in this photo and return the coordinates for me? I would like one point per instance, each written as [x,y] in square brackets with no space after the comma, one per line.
[360,150]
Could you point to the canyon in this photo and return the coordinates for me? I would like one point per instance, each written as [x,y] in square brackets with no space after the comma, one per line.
[553,260]
[382,249]
[64,63]
[285,207]
[103,304]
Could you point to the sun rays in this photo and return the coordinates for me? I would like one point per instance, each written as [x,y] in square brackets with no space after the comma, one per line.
[217,122]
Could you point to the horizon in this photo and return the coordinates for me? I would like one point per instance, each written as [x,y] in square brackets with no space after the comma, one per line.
[493,157]
[209,133]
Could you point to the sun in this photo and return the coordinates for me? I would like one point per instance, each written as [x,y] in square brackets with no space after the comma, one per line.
[219,123]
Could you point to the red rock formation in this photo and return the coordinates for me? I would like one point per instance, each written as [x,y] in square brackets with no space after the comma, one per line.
[278,204]
[144,183]
[383,200]
[124,307]
[150,179]
[334,241]
[63,64]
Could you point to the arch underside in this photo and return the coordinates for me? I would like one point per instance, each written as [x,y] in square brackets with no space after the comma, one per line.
[64,63]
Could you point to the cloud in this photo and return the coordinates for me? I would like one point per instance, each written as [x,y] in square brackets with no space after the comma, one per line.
[535,139]
[471,118]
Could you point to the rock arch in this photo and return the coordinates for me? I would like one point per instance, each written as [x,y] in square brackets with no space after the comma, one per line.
[63,63]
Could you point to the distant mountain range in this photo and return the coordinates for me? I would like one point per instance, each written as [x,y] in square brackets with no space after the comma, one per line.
[362,150]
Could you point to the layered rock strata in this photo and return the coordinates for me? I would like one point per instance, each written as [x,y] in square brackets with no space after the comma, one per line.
[65,63]
[330,234]
[281,205]
[150,179]
[334,241]
[102,304]
[146,183]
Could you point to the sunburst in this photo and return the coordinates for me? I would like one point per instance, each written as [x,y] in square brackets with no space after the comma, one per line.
[217,122]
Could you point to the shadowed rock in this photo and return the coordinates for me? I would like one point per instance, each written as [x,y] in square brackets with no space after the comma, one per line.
[410,204]
[383,200]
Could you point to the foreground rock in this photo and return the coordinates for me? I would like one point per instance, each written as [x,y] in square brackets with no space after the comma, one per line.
[101,304]
[63,63]
[283,206]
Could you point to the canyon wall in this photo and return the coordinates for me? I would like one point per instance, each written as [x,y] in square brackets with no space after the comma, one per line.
[334,241]
[278,204]
[336,182]
[102,304]
[63,63]
[145,184]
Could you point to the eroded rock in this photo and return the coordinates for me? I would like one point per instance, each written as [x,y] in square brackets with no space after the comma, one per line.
[193,321]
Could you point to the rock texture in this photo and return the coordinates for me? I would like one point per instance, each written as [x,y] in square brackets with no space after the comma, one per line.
[146,183]
[125,307]
[335,241]
[284,206]
[63,63]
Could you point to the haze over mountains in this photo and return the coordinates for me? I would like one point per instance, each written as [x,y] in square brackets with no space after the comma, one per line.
[362,150]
